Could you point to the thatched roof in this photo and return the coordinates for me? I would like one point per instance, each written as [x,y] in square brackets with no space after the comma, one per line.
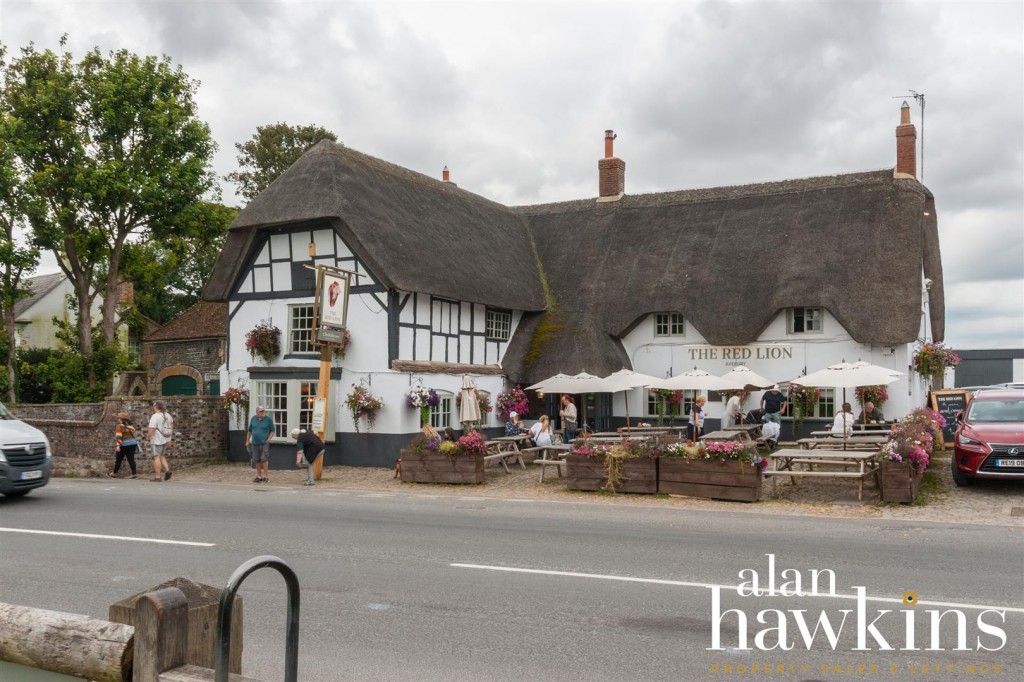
[414,232]
[730,259]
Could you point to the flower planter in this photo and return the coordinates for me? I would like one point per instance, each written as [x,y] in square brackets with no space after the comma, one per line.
[898,481]
[430,466]
[638,475]
[711,478]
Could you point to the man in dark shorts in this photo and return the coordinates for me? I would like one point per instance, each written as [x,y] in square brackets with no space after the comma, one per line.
[257,437]
[309,448]
[773,402]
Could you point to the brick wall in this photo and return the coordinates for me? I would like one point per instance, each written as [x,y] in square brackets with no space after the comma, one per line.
[84,445]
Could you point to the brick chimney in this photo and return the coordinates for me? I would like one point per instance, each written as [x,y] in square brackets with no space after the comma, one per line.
[444,175]
[906,144]
[611,171]
[126,294]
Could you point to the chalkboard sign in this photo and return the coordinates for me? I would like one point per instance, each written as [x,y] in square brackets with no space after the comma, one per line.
[948,403]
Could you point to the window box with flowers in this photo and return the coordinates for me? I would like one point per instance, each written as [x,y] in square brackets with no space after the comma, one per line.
[431,460]
[627,467]
[907,455]
[721,470]
[263,341]
[931,360]
[361,403]
[423,399]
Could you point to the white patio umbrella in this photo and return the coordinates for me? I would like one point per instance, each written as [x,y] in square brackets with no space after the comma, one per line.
[845,375]
[744,379]
[694,380]
[577,383]
[469,405]
[628,379]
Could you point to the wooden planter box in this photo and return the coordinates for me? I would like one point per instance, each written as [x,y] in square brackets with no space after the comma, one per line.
[639,475]
[430,466]
[715,479]
[898,481]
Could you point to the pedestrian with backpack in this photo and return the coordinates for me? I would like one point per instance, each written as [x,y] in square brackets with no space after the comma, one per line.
[160,434]
[125,445]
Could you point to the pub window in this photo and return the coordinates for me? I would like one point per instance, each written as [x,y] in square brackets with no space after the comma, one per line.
[677,403]
[300,329]
[273,396]
[441,414]
[805,320]
[826,408]
[290,404]
[669,324]
[499,325]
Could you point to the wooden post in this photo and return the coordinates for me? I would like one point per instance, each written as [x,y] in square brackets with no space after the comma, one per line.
[323,392]
[66,643]
[161,633]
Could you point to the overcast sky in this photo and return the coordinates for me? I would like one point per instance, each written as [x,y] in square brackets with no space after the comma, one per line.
[514,97]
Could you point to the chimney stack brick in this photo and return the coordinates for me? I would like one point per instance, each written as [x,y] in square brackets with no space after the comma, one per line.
[906,144]
[611,170]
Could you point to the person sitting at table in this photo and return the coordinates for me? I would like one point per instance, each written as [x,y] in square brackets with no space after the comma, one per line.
[449,434]
[870,414]
[695,425]
[513,427]
[842,426]
[541,432]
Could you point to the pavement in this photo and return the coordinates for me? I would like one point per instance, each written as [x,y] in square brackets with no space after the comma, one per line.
[986,502]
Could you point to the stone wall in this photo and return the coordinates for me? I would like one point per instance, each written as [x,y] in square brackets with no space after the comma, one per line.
[172,357]
[82,436]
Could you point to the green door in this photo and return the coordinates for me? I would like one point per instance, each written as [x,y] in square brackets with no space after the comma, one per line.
[178,385]
[215,387]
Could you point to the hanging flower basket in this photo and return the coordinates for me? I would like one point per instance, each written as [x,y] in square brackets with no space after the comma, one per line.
[932,358]
[263,341]
[513,401]
[341,348]
[802,400]
[423,399]
[362,403]
[236,401]
[872,394]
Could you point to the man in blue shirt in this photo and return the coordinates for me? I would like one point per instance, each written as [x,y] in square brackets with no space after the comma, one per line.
[257,437]
[773,402]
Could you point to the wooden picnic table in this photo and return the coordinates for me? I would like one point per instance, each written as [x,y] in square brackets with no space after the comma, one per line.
[727,435]
[557,458]
[753,429]
[852,434]
[506,449]
[784,460]
[851,443]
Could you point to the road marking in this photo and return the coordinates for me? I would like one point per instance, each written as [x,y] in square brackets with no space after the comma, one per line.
[733,588]
[94,536]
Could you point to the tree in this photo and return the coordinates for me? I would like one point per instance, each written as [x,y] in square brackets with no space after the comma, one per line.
[17,260]
[112,149]
[270,152]
[169,274]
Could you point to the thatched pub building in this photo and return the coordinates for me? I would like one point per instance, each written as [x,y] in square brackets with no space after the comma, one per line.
[783,277]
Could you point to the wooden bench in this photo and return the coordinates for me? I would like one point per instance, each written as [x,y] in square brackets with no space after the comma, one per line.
[784,461]
[502,452]
[559,464]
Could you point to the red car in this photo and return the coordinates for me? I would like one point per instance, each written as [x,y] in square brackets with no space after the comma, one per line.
[989,440]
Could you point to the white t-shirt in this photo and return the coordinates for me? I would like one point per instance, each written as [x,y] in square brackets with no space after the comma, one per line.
[843,424]
[771,431]
[155,422]
[540,437]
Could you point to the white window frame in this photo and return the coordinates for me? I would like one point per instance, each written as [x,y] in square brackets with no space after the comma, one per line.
[441,414]
[689,396]
[300,336]
[669,324]
[818,316]
[827,397]
[498,324]
[289,403]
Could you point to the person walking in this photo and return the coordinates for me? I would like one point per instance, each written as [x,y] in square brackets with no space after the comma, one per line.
[125,445]
[695,424]
[257,437]
[160,435]
[773,402]
[310,447]
[568,416]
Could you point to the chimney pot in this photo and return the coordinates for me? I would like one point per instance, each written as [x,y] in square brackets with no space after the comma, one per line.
[444,174]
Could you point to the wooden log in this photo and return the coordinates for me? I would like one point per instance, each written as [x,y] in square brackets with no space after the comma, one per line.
[66,643]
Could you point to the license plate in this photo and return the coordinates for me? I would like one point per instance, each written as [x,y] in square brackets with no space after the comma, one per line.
[29,475]
[1016,463]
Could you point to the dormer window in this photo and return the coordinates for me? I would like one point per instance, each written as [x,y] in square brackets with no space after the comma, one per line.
[805,320]
[669,324]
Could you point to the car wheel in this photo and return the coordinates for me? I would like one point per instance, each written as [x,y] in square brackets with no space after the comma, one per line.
[17,493]
[961,479]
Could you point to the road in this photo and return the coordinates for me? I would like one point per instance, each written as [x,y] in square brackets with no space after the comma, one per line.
[414,587]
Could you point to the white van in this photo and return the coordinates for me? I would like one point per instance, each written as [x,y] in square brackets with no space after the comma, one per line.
[25,458]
